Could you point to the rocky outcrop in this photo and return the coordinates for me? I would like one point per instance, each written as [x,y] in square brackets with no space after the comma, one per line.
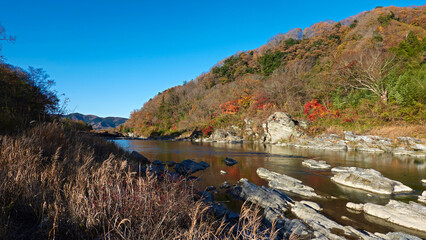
[286,183]
[311,163]
[411,215]
[368,180]
[280,127]
[225,135]
[366,143]
[310,223]
[188,167]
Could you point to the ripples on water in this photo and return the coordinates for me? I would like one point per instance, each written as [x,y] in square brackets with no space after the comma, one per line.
[288,161]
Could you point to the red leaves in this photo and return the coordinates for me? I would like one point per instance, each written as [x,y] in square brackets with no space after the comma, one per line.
[230,107]
[259,102]
[207,131]
[314,109]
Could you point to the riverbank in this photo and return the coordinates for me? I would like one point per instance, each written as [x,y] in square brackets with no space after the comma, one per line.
[61,184]
[281,129]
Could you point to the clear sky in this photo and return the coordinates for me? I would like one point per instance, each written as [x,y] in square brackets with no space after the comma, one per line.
[110,57]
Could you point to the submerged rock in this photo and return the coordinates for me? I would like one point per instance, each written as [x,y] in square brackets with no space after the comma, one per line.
[411,215]
[311,163]
[230,161]
[286,183]
[187,167]
[368,180]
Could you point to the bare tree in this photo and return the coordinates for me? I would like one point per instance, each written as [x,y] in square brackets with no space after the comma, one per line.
[368,69]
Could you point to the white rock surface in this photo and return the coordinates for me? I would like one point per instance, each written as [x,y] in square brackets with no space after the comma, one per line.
[322,226]
[412,215]
[368,180]
[280,126]
[223,172]
[422,198]
[311,163]
[397,236]
[355,206]
[313,205]
[286,183]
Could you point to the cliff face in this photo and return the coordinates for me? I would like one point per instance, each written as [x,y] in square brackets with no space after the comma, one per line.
[366,68]
[98,122]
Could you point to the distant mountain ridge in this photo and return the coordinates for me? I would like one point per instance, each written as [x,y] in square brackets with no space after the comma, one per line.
[97,122]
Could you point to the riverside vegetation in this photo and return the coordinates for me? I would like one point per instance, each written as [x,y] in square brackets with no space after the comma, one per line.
[365,73]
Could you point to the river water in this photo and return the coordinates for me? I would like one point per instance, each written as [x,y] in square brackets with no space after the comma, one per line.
[288,161]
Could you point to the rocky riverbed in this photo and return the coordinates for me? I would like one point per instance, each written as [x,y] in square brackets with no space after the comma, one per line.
[281,129]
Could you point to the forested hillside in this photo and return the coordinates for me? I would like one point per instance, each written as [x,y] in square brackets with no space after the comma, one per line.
[368,69]
[97,122]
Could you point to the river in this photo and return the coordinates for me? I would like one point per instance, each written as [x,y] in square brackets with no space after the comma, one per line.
[288,161]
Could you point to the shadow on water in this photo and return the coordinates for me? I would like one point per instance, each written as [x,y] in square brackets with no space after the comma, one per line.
[288,161]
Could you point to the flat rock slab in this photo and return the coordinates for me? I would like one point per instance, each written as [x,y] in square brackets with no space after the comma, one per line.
[230,161]
[263,196]
[311,163]
[187,167]
[322,226]
[355,206]
[286,183]
[368,180]
[411,215]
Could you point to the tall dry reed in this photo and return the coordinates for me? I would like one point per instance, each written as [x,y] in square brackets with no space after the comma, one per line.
[57,184]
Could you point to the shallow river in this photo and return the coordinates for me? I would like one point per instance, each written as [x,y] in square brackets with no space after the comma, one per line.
[288,161]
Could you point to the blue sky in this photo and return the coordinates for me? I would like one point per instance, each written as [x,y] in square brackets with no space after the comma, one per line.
[110,57]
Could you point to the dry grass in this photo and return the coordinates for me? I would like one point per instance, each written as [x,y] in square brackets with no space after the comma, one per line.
[416,131]
[388,131]
[56,184]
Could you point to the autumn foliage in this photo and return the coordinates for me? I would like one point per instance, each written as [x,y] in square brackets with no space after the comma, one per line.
[374,58]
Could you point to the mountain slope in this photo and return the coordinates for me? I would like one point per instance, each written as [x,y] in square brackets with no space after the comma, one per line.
[98,122]
[366,69]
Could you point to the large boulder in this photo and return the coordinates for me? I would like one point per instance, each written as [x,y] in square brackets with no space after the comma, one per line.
[368,180]
[280,127]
